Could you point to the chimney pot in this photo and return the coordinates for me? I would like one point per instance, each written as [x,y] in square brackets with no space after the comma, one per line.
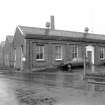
[47,24]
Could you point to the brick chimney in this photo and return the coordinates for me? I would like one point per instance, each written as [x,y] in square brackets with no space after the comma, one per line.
[52,22]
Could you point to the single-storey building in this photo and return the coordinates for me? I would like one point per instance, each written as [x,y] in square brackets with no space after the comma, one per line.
[2,45]
[8,52]
[39,48]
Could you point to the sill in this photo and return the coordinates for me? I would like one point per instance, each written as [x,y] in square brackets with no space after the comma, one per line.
[40,60]
[58,59]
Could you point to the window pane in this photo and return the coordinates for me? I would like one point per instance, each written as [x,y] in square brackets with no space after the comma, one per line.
[102,53]
[75,51]
[58,53]
[40,52]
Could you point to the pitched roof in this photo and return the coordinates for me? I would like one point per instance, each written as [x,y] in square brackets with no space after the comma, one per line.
[42,31]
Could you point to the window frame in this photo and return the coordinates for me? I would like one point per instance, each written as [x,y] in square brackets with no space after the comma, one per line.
[102,51]
[75,51]
[59,53]
[38,51]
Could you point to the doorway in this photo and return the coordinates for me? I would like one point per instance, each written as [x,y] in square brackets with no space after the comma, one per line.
[90,53]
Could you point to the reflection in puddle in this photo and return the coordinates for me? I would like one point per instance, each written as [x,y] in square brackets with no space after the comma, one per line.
[67,80]
[98,88]
[70,86]
[49,79]
[93,69]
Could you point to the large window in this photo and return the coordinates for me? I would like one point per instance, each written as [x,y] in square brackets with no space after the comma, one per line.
[75,51]
[58,54]
[39,52]
[102,53]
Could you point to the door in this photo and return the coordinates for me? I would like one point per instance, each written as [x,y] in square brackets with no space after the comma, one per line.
[90,53]
[89,56]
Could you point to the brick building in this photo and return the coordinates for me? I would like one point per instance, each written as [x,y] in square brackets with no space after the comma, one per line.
[38,48]
[8,52]
[2,45]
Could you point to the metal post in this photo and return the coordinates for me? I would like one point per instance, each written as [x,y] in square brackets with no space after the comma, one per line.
[3,55]
[84,73]
[84,52]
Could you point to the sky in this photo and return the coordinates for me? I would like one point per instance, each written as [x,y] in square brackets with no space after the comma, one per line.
[71,15]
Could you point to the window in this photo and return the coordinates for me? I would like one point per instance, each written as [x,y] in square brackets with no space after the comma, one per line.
[58,53]
[39,52]
[102,53]
[75,51]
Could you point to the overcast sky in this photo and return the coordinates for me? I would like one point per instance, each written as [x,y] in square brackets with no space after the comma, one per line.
[72,15]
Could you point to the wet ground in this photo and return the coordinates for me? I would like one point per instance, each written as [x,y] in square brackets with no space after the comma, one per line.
[50,88]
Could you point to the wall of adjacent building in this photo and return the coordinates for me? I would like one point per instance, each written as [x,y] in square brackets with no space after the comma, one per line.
[8,54]
[1,56]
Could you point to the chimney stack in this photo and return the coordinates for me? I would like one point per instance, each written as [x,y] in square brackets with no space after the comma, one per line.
[52,23]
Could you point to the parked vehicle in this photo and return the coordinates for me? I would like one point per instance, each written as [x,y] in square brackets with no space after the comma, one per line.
[102,62]
[75,63]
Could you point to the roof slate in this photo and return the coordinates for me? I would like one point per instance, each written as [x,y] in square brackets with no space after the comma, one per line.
[42,31]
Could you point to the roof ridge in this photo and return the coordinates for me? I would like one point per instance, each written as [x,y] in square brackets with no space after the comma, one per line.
[49,29]
[58,30]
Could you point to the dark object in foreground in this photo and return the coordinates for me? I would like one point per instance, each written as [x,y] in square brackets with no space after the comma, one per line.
[75,63]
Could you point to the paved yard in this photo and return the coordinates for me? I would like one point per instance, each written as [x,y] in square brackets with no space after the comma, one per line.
[49,89]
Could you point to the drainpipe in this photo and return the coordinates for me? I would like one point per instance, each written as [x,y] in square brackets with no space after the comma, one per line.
[3,56]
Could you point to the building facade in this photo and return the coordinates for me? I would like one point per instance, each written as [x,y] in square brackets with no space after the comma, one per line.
[2,45]
[8,52]
[39,48]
